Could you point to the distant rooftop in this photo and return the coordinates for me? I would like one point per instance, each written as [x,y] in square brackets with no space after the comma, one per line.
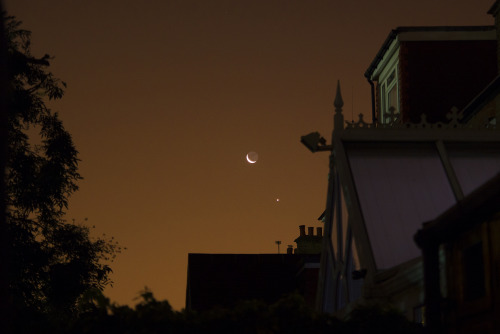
[224,279]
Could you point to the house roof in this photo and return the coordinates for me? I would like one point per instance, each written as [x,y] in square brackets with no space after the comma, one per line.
[396,178]
[485,96]
[224,279]
[430,33]
[494,8]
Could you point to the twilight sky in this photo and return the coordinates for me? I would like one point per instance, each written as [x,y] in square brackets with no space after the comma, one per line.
[166,97]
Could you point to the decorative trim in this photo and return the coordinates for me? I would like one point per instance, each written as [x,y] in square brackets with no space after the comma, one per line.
[394,121]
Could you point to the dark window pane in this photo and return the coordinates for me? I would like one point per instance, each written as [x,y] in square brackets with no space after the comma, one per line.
[474,277]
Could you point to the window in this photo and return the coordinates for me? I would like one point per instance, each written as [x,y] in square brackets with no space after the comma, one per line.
[389,97]
[473,272]
[470,273]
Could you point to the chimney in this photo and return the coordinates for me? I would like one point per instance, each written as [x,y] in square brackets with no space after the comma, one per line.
[308,244]
[289,250]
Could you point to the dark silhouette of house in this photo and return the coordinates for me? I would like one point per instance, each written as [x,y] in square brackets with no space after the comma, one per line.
[223,280]
[389,176]
[461,256]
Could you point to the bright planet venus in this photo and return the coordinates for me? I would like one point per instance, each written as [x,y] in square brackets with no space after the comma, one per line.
[252,157]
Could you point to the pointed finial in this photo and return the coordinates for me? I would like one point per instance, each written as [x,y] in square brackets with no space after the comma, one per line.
[338,103]
[338,119]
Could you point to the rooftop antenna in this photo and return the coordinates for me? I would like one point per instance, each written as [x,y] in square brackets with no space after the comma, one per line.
[278,242]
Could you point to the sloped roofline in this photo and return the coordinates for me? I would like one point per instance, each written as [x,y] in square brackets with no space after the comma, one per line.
[395,32]
[494,8]
[485,96]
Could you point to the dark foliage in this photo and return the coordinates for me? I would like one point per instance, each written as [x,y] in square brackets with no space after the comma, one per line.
[53,261]
[289,315]
[379,318]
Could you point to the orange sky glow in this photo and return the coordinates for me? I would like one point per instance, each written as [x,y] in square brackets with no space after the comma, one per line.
[166,98]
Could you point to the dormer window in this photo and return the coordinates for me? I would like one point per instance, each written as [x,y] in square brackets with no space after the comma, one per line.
[389,98]
[461,59]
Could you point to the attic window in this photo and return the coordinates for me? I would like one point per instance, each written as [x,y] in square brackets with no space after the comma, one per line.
[391,77]
[389,98]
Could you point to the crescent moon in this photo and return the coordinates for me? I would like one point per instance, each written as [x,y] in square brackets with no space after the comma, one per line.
[250,161]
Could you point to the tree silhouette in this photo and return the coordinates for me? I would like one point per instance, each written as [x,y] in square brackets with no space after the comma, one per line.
[289,315]
[52,261]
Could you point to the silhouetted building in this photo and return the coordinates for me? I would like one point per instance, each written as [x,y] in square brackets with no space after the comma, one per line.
[430,70]
[310,243]
[461,255]
[388,177]
[222,280]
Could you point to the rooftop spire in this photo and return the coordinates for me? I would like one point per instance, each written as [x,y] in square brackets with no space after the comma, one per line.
[338,103]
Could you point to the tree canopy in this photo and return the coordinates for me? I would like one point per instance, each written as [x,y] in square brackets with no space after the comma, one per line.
[52,261]
[288,315]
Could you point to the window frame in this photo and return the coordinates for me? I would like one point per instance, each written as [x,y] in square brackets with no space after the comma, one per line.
[389,79]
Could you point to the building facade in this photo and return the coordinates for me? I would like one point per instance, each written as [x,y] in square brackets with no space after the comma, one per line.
[433,141]
[430,70]
[461,257]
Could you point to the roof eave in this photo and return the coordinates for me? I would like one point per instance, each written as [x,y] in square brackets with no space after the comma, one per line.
[395,32]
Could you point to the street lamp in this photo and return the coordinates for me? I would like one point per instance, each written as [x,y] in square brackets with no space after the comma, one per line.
[314,142]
